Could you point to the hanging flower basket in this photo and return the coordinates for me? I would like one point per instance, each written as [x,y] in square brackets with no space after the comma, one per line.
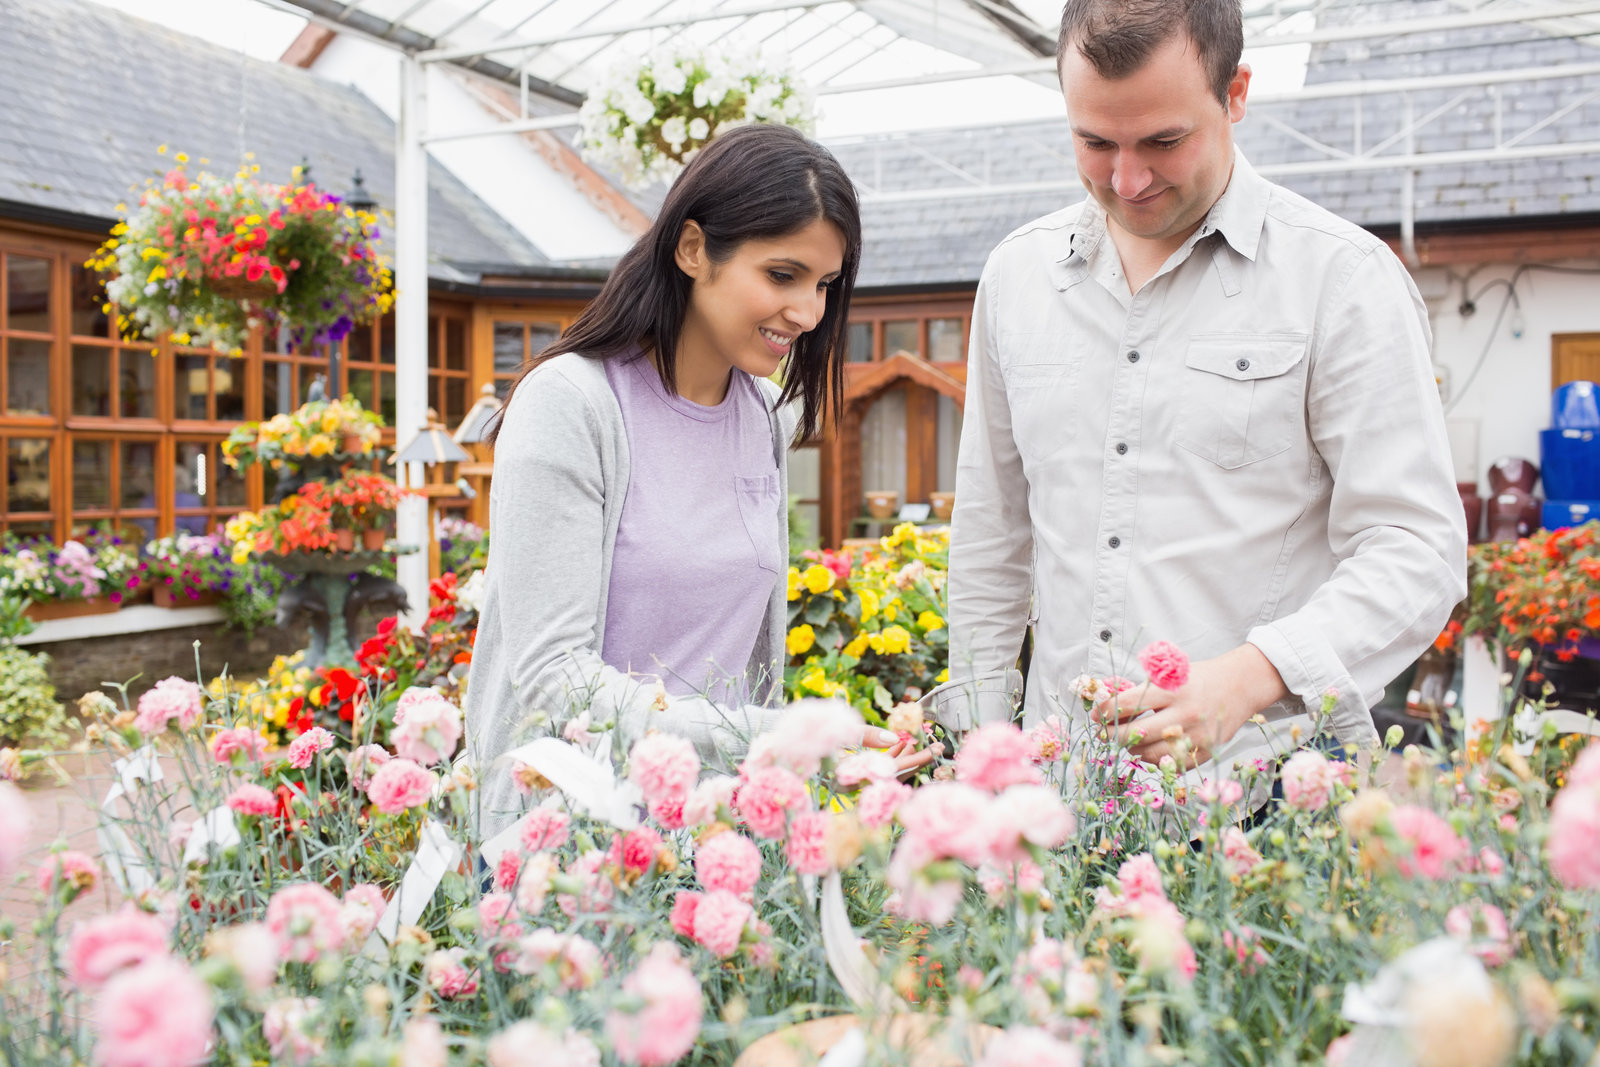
[206,258]
[648,118]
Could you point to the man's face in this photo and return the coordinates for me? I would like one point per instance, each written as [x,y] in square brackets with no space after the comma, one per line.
[1155,149]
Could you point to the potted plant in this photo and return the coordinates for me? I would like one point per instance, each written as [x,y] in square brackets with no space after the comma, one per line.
[206,258]
[317,430]
[88,575]
[648,118]
[187,570]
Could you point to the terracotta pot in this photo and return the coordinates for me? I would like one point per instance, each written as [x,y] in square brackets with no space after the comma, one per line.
[164,598]
[1512,472]
[373,539]
[242,288]
[350,444]
[882,503]
[344,539]
[942,504]
[71,609]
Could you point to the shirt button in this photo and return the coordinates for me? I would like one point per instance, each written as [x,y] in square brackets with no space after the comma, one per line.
[1122,448]
[1105,635]
[1115,542]
[1133,357]
[1243,364]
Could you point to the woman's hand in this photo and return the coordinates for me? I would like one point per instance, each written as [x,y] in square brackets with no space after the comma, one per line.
[906,758]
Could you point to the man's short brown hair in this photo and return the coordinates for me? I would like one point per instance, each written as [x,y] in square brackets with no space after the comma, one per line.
[1117,37]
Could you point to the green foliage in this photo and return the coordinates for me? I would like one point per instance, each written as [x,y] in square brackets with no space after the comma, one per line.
[14,621]
[28,706]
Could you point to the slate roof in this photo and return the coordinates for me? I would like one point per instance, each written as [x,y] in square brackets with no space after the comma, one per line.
[89,93]
[929,242]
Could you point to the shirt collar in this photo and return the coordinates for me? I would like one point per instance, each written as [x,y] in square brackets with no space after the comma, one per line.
[1238,215]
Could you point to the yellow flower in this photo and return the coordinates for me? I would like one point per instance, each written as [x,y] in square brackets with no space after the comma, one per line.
[875,642]
[896,639]
[330,421]
[869,603]
[800,639]
[794,583]
[814,679]
[942,677]
[817,578]
[241,553]
[857,646]
[929,621]
[321,445]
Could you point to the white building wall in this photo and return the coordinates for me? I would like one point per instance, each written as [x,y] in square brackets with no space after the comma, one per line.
[503,170]
[1507,402]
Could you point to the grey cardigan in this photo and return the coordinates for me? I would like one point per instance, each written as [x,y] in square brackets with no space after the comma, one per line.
[560,478]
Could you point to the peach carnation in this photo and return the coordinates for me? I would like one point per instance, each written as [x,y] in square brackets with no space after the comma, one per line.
[100,947]
[664,767]
[728,861]
[305,747]
[252,799]
[398,785]
[171,699]
[307,921]
[995,756]
[157,1014]
[426,726]
[664,1028]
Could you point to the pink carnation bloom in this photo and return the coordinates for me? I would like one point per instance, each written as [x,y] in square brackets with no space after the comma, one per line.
[157,1014]
[916,896]
[596,890]
[1245,949]
[684,905]
[1224,791]
[251,949]
[172,699]
[807,847]
[1585,770]
[877,803]
[1338,1051]
[1027,814]
[426,726]
[531,882]
[634,852]
[252,799]
[1240,855]
[362,907]
[1165,665]
[728,861]
[668,814]
[288,1028]
[664,767]
[363,762]
[1047,742]
[719,922]
[808,732]
[1028,1046]
[952,818]
[664,1029]
[398,785]
[1140,878]
[527,1044]
[303,748]
[995,756]
[69,873]
[15,821]
[1484,928]
[1434,851]
[1308,780]
[102,946]
[507,870]
[240,741]
[708,798]
[497,916]
[423,1044]
[865,767]
[307,921]
[766,796]
[576,962]
[446,974]
[1573,848]
[1116,683]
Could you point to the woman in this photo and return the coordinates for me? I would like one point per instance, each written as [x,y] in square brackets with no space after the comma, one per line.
[639,504]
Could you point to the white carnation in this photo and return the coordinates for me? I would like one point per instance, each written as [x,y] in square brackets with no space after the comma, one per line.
[675,131]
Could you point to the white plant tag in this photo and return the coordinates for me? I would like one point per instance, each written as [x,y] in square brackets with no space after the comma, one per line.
[436,854]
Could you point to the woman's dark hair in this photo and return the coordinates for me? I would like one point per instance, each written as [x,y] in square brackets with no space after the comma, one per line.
[751,183]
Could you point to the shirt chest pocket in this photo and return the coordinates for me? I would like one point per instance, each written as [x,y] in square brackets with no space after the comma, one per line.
[1243,397]
[757,496]
[1039,385]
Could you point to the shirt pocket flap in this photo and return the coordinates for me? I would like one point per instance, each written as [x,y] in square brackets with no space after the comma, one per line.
[1246,357]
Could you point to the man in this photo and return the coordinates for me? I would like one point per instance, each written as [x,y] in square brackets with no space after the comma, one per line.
[1200,409]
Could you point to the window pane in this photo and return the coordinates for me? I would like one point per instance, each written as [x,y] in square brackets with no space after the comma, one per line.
[386,340]
[28,474]
[455,344]
[27,377]
[542,335]
[138,474]
[91,380]
[508,353]
[137,370]
[191,383]
[228,486]
[949,442]
[91,474]
[386,396]
[455,402]
[502,387]
[277,387]
[359,344]
[899,337]
[88,300]
[361,386]
[436,396]
[858,343]
[228,381]
[27,293]
[32,531]
[944,341]
[433,340]
[186,479]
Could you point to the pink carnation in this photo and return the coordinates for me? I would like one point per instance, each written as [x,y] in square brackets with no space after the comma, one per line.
[1224,791]
[728,861]
[15,820]
[1027,815]
[157,1014]
[307,745]
[171,699]
[363,762]
[362,907]
[398,785]
[705,801]
[307,921]
[664,767]
[1028,1046]
[1247,952]
[683,909]
[951,819]
[1139,878]
[634,852]
[251,799]
[668,814]
[1585,770]
[1483,927]
[544,828]
[1116,683]
[497,916]
[69,872]
[576,962]
[807,847]
[1308,780]
[995,756]
[528,1044]
[596,889]
[664,1029]
[446,974]
[241,740]
[877,803]
[102,946]
[766,796]
[426,726]
[287,1026]
[251,949]
[1165,665]
[719,922]
[1573,848]
[1434,849]
[1047,742]
[865,767]
[1241,856]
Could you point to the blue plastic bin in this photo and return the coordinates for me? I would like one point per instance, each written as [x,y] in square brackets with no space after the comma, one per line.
[1562,513]
[1570,463]
[1575,406]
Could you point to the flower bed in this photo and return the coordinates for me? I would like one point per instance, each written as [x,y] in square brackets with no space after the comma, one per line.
[97,566]
[1041,901]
